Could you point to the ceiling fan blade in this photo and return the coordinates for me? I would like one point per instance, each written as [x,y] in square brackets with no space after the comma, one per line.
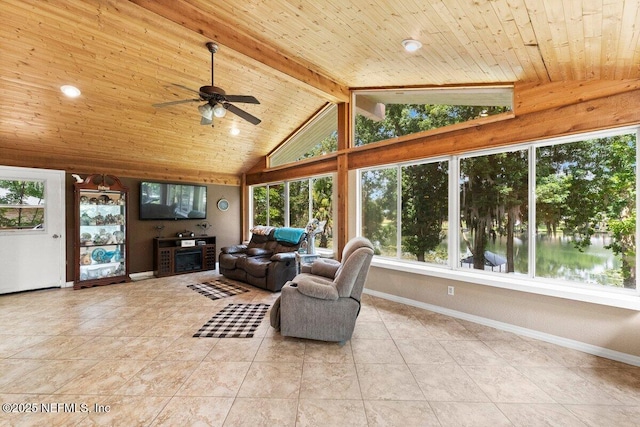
[185,88]
[246,99]
[243,114]
[182,101]
[205,121]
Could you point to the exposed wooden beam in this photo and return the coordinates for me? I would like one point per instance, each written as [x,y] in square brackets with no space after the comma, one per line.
[564,111]
[341,234]
[118,167]
[530,97]
[208,25]
[301,169]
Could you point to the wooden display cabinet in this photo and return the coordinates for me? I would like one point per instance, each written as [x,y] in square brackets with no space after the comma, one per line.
[101,253]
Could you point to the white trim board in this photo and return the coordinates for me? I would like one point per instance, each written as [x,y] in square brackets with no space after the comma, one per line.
[553,339]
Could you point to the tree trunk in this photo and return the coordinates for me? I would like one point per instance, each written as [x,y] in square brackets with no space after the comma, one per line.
[628,265]
[511,220]
[479,243]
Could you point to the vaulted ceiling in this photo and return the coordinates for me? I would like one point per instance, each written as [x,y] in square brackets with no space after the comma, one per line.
[293,56]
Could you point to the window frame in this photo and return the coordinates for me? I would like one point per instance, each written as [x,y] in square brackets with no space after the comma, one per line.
[611,296]
[42,227]
[398,167]
[433,95]
[287,219]
[303,137]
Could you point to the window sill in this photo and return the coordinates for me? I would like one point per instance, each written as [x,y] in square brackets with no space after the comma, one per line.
[620,298]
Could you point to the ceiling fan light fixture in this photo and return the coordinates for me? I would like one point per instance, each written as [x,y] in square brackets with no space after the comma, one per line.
[206,111]
[219,111]
[411,45]
[70,91]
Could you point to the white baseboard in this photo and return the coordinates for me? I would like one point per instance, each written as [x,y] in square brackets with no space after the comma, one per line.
[542,336]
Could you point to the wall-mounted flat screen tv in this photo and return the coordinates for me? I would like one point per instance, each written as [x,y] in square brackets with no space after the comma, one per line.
[161,200]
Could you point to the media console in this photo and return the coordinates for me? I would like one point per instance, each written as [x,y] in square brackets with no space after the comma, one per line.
[180,255]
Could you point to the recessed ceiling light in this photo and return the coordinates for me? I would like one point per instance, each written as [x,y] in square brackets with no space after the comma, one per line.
[411,45]
[70,91]
[234,131]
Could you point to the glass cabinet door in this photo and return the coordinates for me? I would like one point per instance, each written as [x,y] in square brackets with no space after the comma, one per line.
[102,236]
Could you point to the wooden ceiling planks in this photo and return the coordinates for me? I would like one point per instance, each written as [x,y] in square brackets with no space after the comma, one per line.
[124,59]
[293,56]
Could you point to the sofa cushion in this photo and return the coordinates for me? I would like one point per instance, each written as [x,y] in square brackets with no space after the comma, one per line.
[258,241]
[283,247]
[234,249]
[325,267]
[262,230]
[256,267]
[230,261]
[317,287]
[259,252]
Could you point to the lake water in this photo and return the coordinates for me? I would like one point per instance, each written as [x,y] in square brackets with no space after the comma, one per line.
[557,258]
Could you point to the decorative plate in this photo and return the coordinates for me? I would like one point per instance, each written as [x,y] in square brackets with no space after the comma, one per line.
[98,255]
[223,204]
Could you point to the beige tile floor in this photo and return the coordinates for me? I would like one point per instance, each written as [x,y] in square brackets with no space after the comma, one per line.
[124,355]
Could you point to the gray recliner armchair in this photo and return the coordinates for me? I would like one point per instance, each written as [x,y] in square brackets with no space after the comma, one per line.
[323,302]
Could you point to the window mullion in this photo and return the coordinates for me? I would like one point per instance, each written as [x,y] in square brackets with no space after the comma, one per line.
[532,213]
[454,212]
[268,209]
[399,212]
[310,191]
[637,204]
[287,211]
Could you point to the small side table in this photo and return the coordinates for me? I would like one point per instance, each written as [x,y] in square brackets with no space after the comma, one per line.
[304,259]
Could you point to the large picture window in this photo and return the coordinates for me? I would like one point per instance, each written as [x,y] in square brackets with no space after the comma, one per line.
[295,204]
[493,212]
[586,211]
[560,211]
[383,114]
[405,211]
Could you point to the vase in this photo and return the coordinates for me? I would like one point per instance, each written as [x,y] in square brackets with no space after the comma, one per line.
[311,247]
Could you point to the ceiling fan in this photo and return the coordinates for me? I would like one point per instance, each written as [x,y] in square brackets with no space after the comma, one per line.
[217,102]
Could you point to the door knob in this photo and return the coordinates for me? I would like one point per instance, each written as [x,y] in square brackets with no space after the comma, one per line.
[56,236]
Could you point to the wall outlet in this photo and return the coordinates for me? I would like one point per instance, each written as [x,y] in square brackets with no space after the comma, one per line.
[450,290]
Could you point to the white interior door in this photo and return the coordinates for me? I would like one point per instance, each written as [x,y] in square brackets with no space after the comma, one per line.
[32,225]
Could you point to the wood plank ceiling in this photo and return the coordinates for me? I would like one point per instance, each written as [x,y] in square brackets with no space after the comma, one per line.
[294,56]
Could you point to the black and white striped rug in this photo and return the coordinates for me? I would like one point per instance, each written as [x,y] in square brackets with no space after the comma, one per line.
[218,288]
[234,321]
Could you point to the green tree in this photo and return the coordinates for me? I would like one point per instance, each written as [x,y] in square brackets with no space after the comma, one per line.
[260,205]
[594,182]
[424,195]
[276,205]
[19,193]
[424,187]
[299,203]
[322,196]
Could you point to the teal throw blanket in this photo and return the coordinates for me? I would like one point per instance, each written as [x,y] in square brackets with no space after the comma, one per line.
[288,234]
